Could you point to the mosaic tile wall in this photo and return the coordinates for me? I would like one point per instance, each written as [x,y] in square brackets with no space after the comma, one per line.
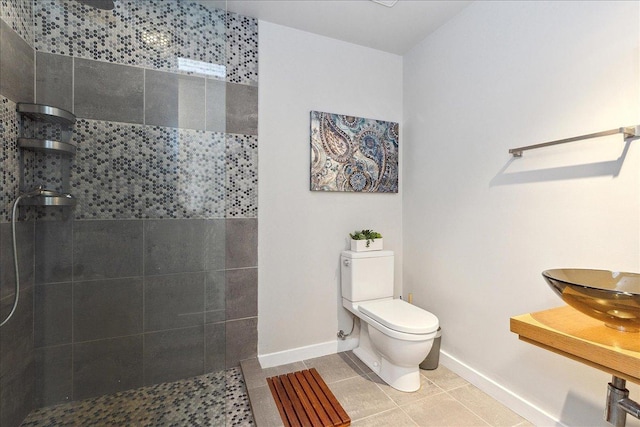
[242,182]
[9,160]
[174,173]
[242,49]
[177,36]
[19,15]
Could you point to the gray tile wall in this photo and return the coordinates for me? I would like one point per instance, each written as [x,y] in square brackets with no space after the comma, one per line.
[16,66]
[17,355]
[171,298]
[105,91]
[153,276]
[175,100]
[54,84]
[17,366]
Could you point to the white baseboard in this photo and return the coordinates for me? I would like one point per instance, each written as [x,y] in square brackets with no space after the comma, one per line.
[516,403]
[309,352]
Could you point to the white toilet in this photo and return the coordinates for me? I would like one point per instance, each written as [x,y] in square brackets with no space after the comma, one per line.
[395,336]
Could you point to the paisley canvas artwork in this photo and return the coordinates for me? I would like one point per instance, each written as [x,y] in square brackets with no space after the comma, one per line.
[353,154]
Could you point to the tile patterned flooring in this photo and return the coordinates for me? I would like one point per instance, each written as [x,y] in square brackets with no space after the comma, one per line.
[444,398]
[222,399]
[216,399]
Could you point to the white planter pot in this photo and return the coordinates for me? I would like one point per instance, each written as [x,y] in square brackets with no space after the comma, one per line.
[361,245]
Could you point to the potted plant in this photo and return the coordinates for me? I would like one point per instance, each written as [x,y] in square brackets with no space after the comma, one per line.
[366,240]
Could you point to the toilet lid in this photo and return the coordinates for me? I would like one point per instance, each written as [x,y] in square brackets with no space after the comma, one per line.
[400,316]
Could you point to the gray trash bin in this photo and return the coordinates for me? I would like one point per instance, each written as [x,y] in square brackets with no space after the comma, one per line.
[431,361]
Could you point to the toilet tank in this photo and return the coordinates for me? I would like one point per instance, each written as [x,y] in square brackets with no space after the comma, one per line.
[366,275]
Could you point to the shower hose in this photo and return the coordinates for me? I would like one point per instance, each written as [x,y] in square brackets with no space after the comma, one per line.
[15,256]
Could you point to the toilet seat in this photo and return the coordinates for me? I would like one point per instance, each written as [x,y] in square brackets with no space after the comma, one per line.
[400,316]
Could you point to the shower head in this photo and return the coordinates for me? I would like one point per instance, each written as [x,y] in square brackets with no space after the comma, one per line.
[99,4]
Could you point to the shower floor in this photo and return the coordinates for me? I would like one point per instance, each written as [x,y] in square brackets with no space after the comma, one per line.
[216,399]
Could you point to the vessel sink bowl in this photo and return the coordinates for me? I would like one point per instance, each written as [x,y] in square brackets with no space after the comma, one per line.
[610,296]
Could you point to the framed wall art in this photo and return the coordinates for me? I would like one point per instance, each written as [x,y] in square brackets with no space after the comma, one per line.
[354,154]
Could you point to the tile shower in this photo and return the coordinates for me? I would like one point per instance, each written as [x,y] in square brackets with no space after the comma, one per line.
[152,277]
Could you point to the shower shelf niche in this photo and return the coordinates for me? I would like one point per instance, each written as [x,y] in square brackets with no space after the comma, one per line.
[51,115]
[50,132]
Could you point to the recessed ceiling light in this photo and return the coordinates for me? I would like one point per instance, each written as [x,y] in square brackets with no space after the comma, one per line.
[388,3]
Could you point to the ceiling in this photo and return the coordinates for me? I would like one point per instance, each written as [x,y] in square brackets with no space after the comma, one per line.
[363,22]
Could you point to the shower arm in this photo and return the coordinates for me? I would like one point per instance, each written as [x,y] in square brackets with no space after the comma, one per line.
[629,132]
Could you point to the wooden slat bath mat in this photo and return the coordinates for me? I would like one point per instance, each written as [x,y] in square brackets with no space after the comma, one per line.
[303,399]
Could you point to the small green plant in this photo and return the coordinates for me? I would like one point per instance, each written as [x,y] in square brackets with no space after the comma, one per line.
[367,235]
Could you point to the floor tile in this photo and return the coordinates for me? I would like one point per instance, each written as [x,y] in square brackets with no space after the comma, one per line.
[525,423]
[393,418]
[442,410]
[444,378]
[359,363]
[264,407]
[255,376]
[487,408]
[334,367]
[216,399]
[371,402]
[360,397]
[427,388]
[236,400]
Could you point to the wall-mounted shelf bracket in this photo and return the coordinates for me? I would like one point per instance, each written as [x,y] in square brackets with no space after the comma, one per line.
[629,132]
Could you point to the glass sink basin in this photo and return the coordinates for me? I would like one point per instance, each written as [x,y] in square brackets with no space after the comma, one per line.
[610,296]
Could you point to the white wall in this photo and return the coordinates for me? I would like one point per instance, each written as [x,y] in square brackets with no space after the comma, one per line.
[479,226]
[301,233]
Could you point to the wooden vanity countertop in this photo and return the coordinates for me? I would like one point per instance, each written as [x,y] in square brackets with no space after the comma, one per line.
[577,336]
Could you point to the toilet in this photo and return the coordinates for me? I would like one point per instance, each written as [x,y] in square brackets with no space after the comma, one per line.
[395,336]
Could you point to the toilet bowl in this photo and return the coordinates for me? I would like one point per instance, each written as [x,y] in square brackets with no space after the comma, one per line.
[385,346]
[395,336]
